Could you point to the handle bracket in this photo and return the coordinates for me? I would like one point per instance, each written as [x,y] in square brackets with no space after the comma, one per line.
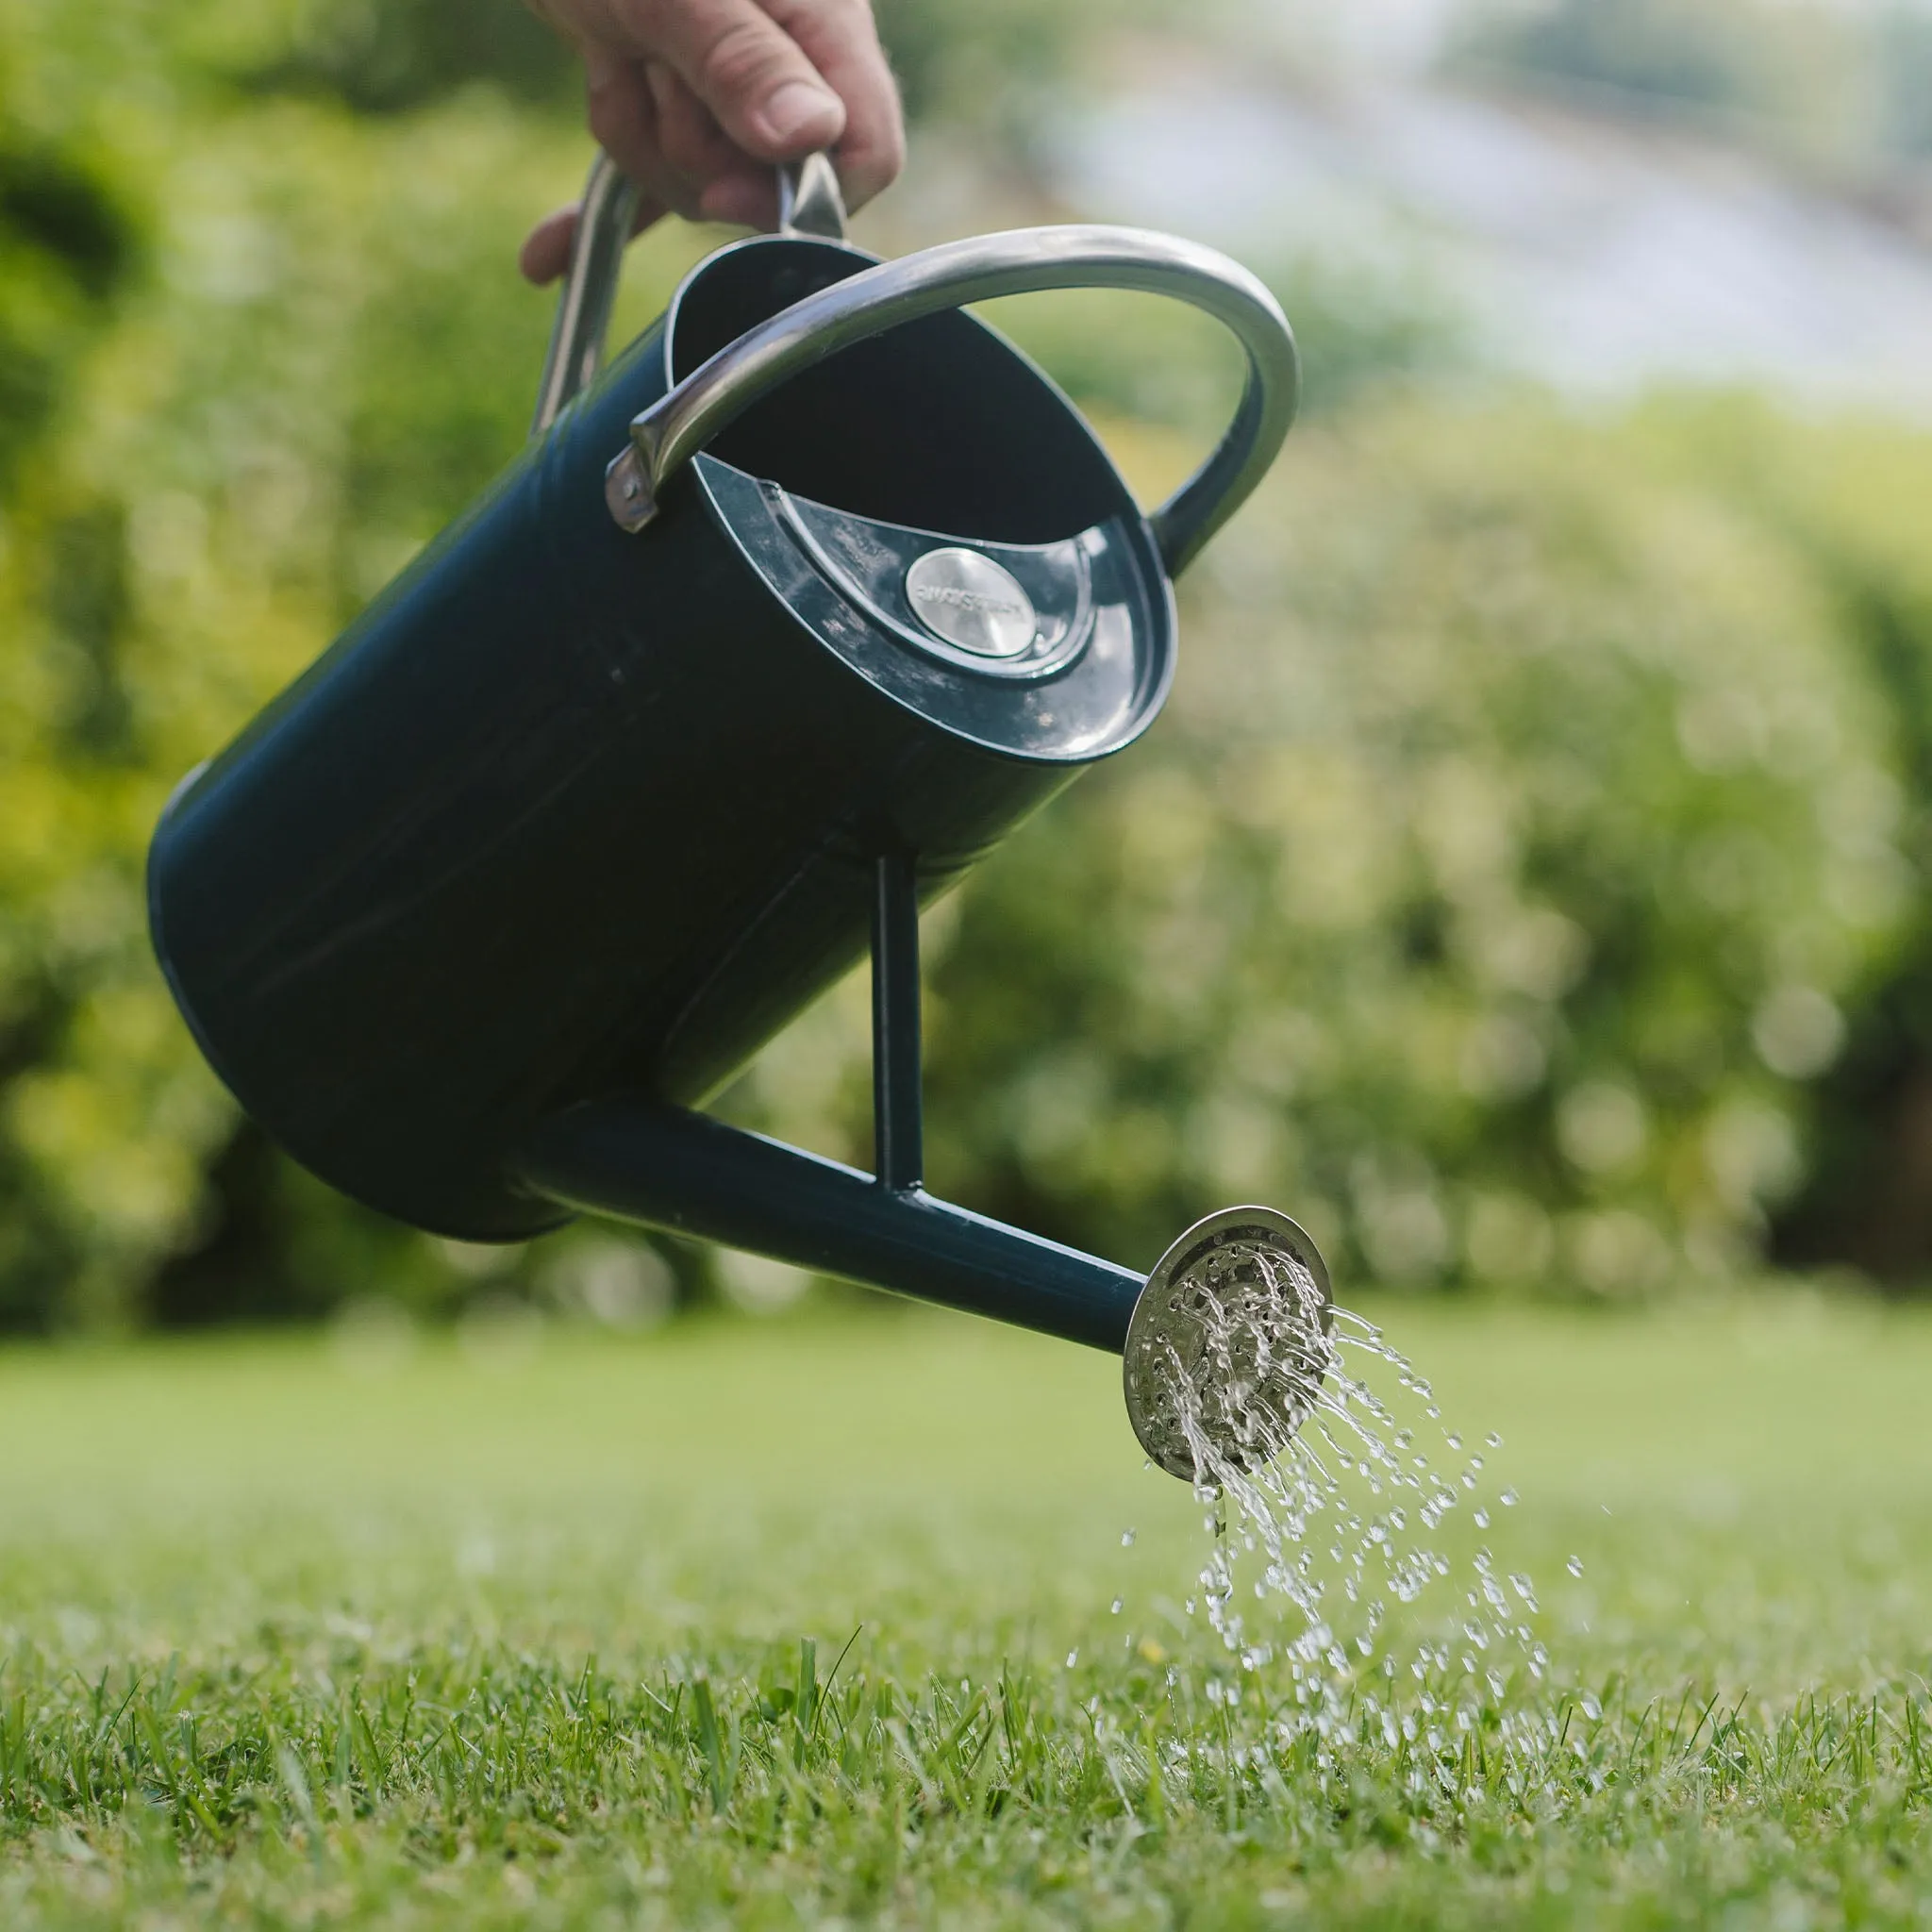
[808,199]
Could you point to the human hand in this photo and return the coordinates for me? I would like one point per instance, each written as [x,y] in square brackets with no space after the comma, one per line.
[697,100]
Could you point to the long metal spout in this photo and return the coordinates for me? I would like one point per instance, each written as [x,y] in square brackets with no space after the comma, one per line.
[637,1160]
[1226,1344]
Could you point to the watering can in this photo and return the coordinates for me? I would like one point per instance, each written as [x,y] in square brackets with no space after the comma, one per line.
[778,625]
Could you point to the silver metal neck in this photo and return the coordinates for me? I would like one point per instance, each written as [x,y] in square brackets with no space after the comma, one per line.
[808,199]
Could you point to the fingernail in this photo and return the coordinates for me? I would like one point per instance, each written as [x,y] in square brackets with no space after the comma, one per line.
[799,111]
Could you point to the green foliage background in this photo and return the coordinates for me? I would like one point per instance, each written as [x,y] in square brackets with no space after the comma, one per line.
[1525,885]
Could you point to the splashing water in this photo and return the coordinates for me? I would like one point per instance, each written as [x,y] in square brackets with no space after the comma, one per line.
[1313,1478]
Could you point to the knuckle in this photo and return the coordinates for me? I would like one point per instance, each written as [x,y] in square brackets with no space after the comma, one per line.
[611,119]
[671,187]
[681,151]
[738,61]
[689,155]
[671,190]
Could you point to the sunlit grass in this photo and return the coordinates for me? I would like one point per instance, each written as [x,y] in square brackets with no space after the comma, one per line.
[771,1623]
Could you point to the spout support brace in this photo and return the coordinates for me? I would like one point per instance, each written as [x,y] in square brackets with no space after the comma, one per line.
[897,1101]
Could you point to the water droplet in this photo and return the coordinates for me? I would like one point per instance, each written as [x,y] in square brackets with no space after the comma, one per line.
[1509,1499]
[1482,1519]
[1127,1537]
[1072,1656]
[1495,1441]
[1118,1604]
[1575,1566]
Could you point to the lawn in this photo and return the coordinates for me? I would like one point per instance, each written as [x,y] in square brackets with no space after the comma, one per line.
[771,1623]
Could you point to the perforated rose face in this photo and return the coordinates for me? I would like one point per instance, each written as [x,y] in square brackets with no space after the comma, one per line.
[1229,1344]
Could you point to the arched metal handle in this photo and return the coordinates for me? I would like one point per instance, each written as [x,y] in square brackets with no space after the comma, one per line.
[809,204]
[1023,260]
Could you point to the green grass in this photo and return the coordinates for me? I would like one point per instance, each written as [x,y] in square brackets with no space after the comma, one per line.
[564,1634]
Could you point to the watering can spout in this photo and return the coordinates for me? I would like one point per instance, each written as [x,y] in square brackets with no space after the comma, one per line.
[637,1159]
[661,1167]
[1225,1344]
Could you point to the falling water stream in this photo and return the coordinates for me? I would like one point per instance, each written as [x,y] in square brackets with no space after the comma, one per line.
[1314,1446]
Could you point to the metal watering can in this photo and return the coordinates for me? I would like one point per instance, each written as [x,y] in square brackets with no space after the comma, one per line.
[775,629]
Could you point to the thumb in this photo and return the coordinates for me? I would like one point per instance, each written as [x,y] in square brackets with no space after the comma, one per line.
[766,96]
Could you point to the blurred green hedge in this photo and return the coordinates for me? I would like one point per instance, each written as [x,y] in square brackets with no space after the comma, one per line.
[279,344]
[1525,830]
[1524,886]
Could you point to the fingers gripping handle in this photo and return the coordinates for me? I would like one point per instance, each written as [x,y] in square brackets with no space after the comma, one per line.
[809,204]
[1023,260]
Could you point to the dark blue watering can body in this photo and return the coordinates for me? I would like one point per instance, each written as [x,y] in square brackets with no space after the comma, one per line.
[771,635]
[574,810]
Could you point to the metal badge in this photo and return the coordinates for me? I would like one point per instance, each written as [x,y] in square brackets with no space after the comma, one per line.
[1229,1344]
[972,602]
